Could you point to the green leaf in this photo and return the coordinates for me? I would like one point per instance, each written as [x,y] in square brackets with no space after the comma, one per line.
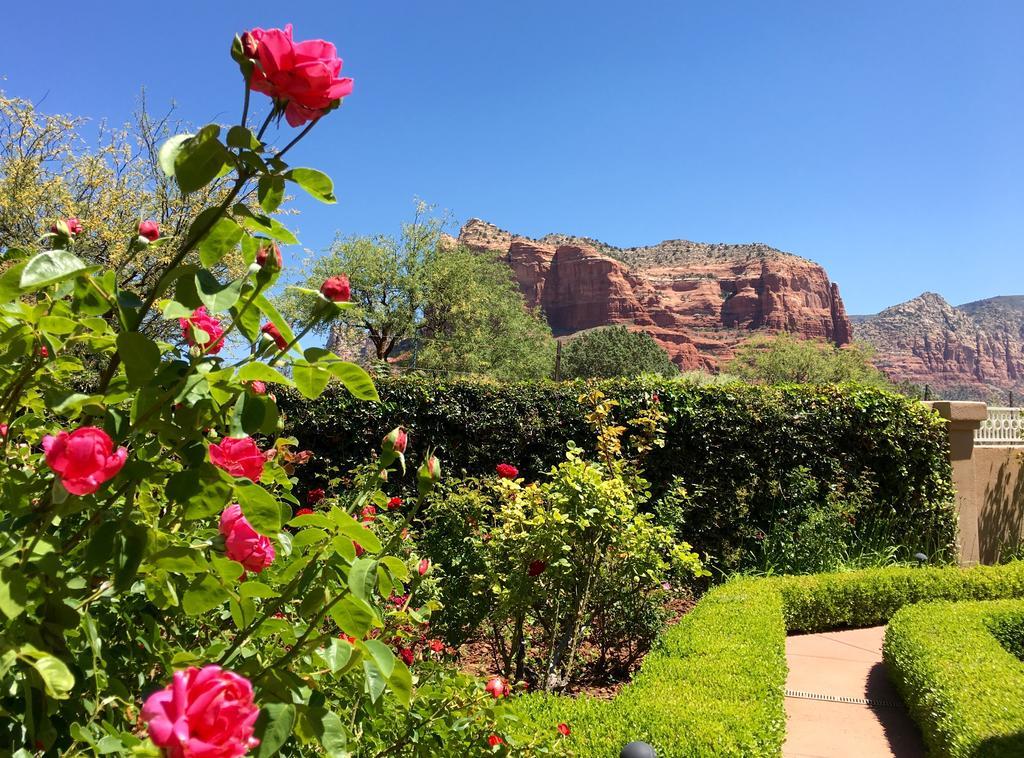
[355,379]
[201,489]
[179,559]
[264,224]
[57,325]
[397,567]
[400,682]
[13,593]
[316,183]
[204,594]
[10,283]
[239,136]
[215,296]
[337,654]
[169,152]
[134,538]
[378,667]
[252,588]
[354,616]
[333,736]
[200,159]
[275,317]
[219,241]
[259,507]
[49,268]
[274,727]
[270,192]
[362,578]
[140,356]
[57,678]
[310,380]
[262,372]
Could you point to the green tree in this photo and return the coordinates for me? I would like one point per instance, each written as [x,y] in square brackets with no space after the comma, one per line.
[477,322]
[455,309]
[615,351]
[785,359]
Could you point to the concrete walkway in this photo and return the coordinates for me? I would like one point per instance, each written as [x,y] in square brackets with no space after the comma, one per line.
[831,676]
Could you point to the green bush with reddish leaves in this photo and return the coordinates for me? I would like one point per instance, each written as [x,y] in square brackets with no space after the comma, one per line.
[162,589]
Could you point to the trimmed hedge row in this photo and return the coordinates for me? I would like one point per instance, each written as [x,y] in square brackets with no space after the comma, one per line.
[712,686]
[714,683]
[964,689]
[736,448]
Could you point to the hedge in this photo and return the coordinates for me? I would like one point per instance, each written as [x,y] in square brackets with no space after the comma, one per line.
[963,687]
[714,683]
[734,447]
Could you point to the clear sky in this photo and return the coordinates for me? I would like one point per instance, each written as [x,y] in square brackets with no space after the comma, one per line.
[882,139]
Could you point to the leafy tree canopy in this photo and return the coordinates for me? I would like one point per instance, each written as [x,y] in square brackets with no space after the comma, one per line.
[785,359]
[615,351]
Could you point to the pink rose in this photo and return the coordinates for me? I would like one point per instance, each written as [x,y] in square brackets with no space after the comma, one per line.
[303,75]
[271,253]
[72,224]
[507,471]
[3,430]
[496,687]
[201,319]
[239,457]
[336,289]
[275,334]
[83,459]
[258,387]
[203,713]
[244,544]
[150,230]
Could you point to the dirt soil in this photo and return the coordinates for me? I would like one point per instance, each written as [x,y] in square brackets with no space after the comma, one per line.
[477,657]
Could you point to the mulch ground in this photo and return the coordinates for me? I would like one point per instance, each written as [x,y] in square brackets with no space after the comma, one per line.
[477,657]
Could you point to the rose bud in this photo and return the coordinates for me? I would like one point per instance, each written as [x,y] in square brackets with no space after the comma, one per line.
[150,230]
[564,730]
[395,502]
[258,387]
[269,257]
[251,42]
[395,441]
[428,475]
[336,289]
[424,566]
[275,334]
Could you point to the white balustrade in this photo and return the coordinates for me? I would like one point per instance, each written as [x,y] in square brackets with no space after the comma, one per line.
[1004,427]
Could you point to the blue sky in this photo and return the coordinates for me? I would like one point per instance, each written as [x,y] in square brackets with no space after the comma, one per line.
[883,139]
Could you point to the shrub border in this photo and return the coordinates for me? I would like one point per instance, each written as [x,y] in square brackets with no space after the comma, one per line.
[714,683]
[962,687]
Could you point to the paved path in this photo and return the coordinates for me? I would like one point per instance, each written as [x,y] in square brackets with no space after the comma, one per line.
[844,665]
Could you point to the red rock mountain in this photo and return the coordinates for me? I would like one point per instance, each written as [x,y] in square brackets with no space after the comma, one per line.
[698,300]
[971,351]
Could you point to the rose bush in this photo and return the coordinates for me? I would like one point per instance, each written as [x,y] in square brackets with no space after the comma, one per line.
[158,591]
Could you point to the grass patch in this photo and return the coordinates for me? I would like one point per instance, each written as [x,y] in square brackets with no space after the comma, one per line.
[962,682]
[713,685]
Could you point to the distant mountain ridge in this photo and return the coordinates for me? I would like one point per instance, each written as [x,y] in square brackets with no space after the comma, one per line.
[974,350]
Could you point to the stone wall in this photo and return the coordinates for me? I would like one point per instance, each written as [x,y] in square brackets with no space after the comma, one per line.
[989,487]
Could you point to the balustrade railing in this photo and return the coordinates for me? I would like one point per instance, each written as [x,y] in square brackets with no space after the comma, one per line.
[1003,427]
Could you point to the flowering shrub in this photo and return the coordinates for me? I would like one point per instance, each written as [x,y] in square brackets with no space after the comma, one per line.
[560,565]
[156,589]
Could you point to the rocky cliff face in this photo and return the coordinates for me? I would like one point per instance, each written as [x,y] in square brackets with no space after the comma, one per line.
[975,350]
[698,300]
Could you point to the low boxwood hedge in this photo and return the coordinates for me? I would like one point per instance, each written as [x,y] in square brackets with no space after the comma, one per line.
[963,687]
[714,683]
[749,457]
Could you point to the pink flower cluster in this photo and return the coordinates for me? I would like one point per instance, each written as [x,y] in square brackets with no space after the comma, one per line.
[244,544]
[302,76]
[202,320]
[240,457]
[206,712]
[83,459]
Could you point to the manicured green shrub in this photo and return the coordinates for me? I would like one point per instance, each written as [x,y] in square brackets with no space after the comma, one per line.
[713,685]
[964,689]
[870,597]
[733,449]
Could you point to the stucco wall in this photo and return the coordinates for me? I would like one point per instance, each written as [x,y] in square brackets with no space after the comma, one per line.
[998,491]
